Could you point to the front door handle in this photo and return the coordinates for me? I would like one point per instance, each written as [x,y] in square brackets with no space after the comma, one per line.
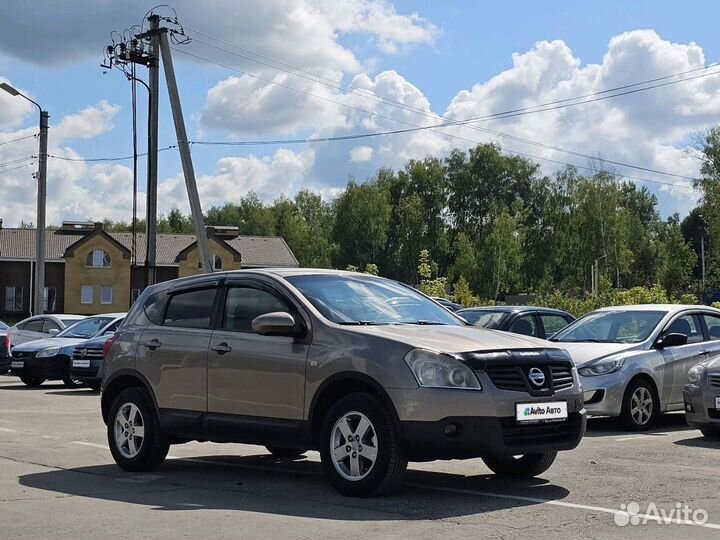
[152,344]
[222,348]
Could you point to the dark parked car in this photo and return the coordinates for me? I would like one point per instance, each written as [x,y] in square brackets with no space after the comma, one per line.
[4,352]
[444,302]
[49,359]
[533,321]
[87,359]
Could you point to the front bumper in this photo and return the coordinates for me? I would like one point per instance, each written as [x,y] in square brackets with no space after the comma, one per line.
[91,374]
[603,394]
[700,410]
[52,368]
[440,423]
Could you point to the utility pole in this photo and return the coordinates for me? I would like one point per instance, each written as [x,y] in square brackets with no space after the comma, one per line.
[148,48]
[184,147]
[152,160]
[37,307]
[41,203]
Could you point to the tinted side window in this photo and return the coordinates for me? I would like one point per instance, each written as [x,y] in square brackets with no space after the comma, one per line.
[244,304]
[713,326]
[191,309]
[688,325]
[525,325]
[34,326]
[553,323]
[49,325]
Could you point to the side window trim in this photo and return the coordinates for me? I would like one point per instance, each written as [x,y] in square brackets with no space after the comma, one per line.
[174,292]
[249,285]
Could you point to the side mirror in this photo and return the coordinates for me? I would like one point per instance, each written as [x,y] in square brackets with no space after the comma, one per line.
[672,340]
[109,333]
[53,331]
[277,323]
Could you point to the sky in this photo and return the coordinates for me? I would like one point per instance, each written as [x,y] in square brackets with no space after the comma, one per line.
[258,70]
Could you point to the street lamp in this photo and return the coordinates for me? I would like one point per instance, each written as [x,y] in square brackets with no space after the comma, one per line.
[41,199]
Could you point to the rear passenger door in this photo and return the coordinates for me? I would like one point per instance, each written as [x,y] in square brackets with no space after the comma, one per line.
[252,375]
[173,353]
[553,322]
[712,335]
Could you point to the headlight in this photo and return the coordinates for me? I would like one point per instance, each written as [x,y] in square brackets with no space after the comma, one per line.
[47,353]
[695,374]
[437,370]
[603,368]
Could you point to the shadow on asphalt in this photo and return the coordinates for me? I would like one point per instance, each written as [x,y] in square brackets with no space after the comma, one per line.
[291,488]
[700,442]
[603,427]
[37,388]
[74,392]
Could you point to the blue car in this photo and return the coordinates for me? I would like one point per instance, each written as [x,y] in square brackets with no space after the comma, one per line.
[49,359]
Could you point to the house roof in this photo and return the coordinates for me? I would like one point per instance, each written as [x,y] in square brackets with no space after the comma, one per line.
[19,244]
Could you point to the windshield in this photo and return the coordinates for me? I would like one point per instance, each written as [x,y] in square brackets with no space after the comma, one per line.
[485,318]
[611,327]
[70,322]
[3,326]
[368,300]
[86,328]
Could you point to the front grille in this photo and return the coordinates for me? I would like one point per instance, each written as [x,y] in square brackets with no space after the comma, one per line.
[714,381]
[81,353]
[514,377]
[517,435]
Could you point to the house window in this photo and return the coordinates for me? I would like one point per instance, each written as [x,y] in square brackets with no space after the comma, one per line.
[86,294]
[134,295]
[98,258]
[217,263]
[106,295]
[49,299]
[13,298]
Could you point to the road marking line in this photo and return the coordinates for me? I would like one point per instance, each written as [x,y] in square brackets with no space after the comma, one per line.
[564,504]
[637,438]
[49,437]
[8,430]
[92,445]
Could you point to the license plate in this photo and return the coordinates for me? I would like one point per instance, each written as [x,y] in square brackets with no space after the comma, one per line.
[717,402]
[17,365]
[81,363]
[529,413]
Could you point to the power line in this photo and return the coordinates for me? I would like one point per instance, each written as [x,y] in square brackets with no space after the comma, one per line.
[18,139]
[467,122]
[118,158]
[15,168]
[16,161]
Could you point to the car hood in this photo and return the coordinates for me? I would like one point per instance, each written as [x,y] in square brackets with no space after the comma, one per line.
[585,352]
[40,344]
[452,339]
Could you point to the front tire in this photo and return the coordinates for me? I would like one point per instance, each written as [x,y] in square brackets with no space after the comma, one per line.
[32,382]
[640,406]
[710,433]
[136,441]
[360,448]
[524,466]
[69,382]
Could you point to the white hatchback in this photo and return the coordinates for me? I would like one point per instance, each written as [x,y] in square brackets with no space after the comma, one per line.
[40,327]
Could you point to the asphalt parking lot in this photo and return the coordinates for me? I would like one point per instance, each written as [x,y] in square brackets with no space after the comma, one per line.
[58,480]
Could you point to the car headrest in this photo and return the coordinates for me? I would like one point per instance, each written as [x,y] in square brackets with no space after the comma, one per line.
[681,326]
[522,326]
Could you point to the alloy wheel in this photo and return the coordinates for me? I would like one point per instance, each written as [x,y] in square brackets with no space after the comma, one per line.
[353,446]
[129,430]
[641,405]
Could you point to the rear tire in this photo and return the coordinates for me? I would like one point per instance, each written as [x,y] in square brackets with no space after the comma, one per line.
[32,382]
[640,406]
[525,466]
[136,440]
[287,453]
[360,448]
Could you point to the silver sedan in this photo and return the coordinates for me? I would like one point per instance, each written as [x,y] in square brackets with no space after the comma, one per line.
[634,360]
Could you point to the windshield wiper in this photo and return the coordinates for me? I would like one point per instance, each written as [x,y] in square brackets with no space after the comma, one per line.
[426,322]
[361,323]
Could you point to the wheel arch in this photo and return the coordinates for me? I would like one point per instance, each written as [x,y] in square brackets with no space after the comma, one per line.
[120,381]
[340,385]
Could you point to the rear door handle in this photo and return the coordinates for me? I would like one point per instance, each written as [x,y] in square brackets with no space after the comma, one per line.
[222,348]
[152,344]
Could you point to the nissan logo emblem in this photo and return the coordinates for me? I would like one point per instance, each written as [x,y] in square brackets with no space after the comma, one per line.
[536,376]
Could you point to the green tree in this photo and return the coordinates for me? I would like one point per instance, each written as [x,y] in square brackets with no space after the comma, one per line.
[678,259]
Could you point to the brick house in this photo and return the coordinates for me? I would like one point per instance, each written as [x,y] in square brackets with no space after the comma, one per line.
[89,270]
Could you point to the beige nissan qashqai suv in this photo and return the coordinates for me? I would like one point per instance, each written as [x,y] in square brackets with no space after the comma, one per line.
[366,370]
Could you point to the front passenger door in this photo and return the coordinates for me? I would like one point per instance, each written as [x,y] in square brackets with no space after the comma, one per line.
[250,374]
[678,360]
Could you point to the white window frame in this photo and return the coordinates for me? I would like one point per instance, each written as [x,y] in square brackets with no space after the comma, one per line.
[85,298]
[46,298]
[104,290]
[98,259]
[11,293]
